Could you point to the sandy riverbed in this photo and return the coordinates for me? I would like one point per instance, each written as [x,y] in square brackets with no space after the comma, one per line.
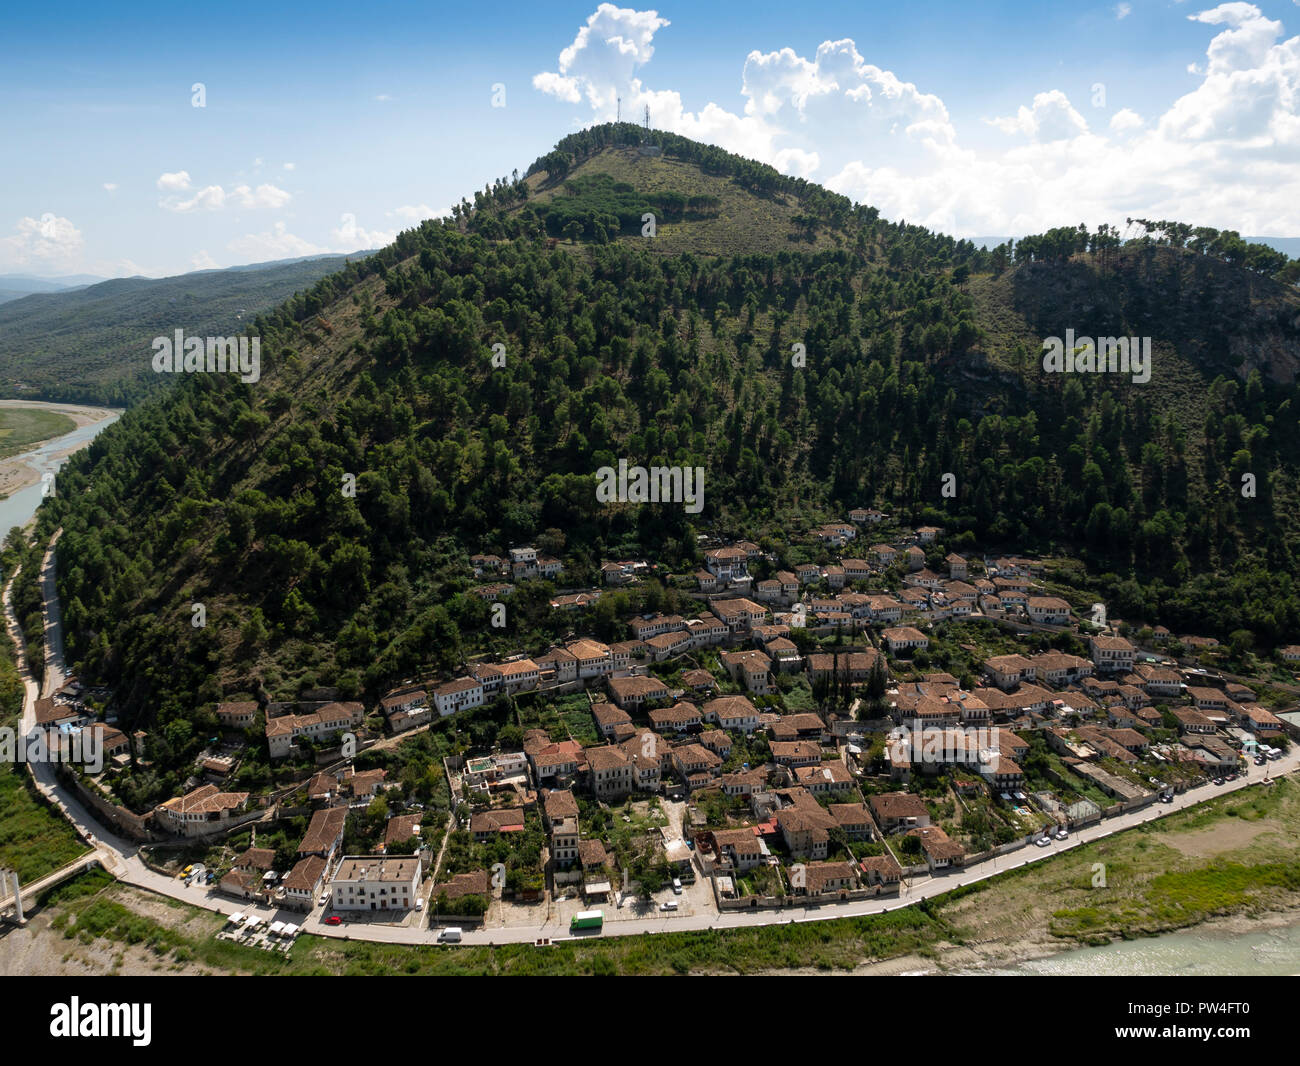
[15,473]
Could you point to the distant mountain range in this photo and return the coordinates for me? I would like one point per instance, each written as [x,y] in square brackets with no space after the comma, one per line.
[87,339]
[16,286]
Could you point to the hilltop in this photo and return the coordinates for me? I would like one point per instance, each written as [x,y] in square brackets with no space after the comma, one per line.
[922,359]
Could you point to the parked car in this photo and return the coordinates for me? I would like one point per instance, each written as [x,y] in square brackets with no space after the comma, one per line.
[1061,834]
[1218,780]
[1260,760]
[1043,842]
[333,919]
[677,886]
[671,905]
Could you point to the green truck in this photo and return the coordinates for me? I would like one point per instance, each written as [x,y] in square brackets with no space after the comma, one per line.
[587,920]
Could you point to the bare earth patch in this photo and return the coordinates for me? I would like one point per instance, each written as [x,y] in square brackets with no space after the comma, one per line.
[1228,835]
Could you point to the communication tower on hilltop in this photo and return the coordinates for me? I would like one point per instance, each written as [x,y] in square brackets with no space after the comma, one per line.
[646,147]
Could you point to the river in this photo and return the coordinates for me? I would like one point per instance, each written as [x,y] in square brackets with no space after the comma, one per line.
[1186,953]
[45,458]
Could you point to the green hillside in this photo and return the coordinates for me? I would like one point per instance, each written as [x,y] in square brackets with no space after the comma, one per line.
[93,345]
[923,359]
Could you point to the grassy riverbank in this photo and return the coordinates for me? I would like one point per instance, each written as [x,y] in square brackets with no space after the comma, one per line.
[1235,856]
[34,840]
[23,427]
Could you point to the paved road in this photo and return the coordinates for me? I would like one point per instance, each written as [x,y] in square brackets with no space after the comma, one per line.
[120,857]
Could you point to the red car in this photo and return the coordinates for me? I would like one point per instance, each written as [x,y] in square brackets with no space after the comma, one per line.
[333,919]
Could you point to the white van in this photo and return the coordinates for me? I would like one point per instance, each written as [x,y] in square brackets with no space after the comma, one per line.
[670,905]
[451,935]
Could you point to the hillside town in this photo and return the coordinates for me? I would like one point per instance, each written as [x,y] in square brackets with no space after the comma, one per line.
[827,732]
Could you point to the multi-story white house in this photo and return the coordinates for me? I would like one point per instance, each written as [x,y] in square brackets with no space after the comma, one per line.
[323,723]
[458,695]
[1050,610]
[594,658]
[376,883]
[727,564]
[1111,654]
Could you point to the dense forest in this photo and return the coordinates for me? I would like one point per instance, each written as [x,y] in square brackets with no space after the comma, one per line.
[922,360]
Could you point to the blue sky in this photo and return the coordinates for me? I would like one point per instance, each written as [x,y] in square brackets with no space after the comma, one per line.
[329,127]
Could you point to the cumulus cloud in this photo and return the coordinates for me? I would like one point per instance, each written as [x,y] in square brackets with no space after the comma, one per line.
[215,197]
[348,236]
[110,186]
[418,212]
[1126,119]
[175,182]
[1051,118]
[279,243]
[1224,154]
[209,198]
[50,242]
[275,243]
[603,57]
[262,196]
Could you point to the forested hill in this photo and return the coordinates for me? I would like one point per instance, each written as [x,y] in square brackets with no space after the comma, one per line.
[92,345]
[923,358]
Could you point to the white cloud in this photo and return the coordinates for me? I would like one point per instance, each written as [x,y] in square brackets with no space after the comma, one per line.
[349,237]
[383,98]
[209,198]
[275,243]
[796,162]
[279,243]
[262,196]
[216,198]
[1247,41]
[175,182]
[1122,11]
[289,166]
[418,212]
[50,242]
[1126,119]
[603,57]
[110,186]
[203,261]
[1224,154]
[1050,119]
